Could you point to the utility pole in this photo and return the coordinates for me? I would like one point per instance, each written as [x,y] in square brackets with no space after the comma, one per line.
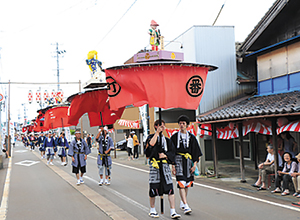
[8,122]
[58,53]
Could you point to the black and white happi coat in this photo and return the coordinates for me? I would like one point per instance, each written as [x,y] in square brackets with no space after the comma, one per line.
[185,144]
[155,177]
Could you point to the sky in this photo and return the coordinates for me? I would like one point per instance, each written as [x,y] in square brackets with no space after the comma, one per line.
[116,29]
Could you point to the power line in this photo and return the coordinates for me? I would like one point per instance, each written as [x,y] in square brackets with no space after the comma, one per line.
[116,23]
[43,21]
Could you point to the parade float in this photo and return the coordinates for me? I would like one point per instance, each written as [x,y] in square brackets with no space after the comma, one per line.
[160,79]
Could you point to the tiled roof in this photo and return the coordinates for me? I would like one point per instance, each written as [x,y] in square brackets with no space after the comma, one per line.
[282,103]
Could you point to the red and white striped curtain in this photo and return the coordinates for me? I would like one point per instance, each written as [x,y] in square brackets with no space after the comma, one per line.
[292,126]
[190,128]
[130,124]
[230,132]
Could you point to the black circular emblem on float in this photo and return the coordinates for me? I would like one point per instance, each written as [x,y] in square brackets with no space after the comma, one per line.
[194,86]
[113,87]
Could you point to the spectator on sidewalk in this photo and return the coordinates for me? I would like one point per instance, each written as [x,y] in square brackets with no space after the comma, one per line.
[89,141]
[296,178]
[266,167]
[78,151]
[136,145]
[4,150]
[129,146]
[289,167]
[289,143]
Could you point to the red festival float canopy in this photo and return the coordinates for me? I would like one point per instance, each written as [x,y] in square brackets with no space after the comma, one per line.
[159,84]
[95,103]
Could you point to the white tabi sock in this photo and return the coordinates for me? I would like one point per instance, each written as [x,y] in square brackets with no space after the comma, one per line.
[153,210]
[172,211]
[181,204]
[186,206]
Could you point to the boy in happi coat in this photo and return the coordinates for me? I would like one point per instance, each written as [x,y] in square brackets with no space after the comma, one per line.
[78,150]
[56,143]
[63,145]
[41,145]
[27,141]
[160,155]
[49,145]
[32,141]
[104,161]
[187,156]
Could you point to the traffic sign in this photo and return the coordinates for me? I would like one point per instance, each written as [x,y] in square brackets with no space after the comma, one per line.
[1,97]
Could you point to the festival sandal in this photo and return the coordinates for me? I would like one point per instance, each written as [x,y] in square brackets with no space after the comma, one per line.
[276,191]
[261,188]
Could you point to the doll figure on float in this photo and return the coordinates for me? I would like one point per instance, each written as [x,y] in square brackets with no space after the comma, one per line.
[98,77]
[93,62]
[154,36]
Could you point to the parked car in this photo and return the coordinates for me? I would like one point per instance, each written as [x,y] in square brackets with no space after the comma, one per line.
[122,145]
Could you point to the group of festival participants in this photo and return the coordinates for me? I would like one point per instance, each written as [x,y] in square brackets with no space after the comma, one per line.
[48,144]
[181,152]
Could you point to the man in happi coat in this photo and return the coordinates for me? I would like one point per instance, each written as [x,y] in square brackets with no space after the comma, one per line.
[56,143]
[160,155]
[78,150]
[104,161]
[41,144]
[63,145]
[187,156]
[49,145]
[32,141]
[27,141]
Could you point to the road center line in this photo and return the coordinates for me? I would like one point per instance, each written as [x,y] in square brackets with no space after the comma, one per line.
[220,190]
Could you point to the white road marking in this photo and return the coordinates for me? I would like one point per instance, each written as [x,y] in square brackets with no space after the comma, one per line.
[21,151]
[4,201]
[27,163]
[220,190]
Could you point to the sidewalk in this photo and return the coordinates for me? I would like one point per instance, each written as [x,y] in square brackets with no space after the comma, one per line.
[230,177]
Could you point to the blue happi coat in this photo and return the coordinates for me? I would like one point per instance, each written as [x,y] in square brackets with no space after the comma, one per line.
[56,143]
[32,140]
[49,146]
[62,145]
[109,144]
[41,143]
[74,151]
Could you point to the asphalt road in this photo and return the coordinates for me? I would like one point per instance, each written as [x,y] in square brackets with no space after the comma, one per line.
[39,191]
